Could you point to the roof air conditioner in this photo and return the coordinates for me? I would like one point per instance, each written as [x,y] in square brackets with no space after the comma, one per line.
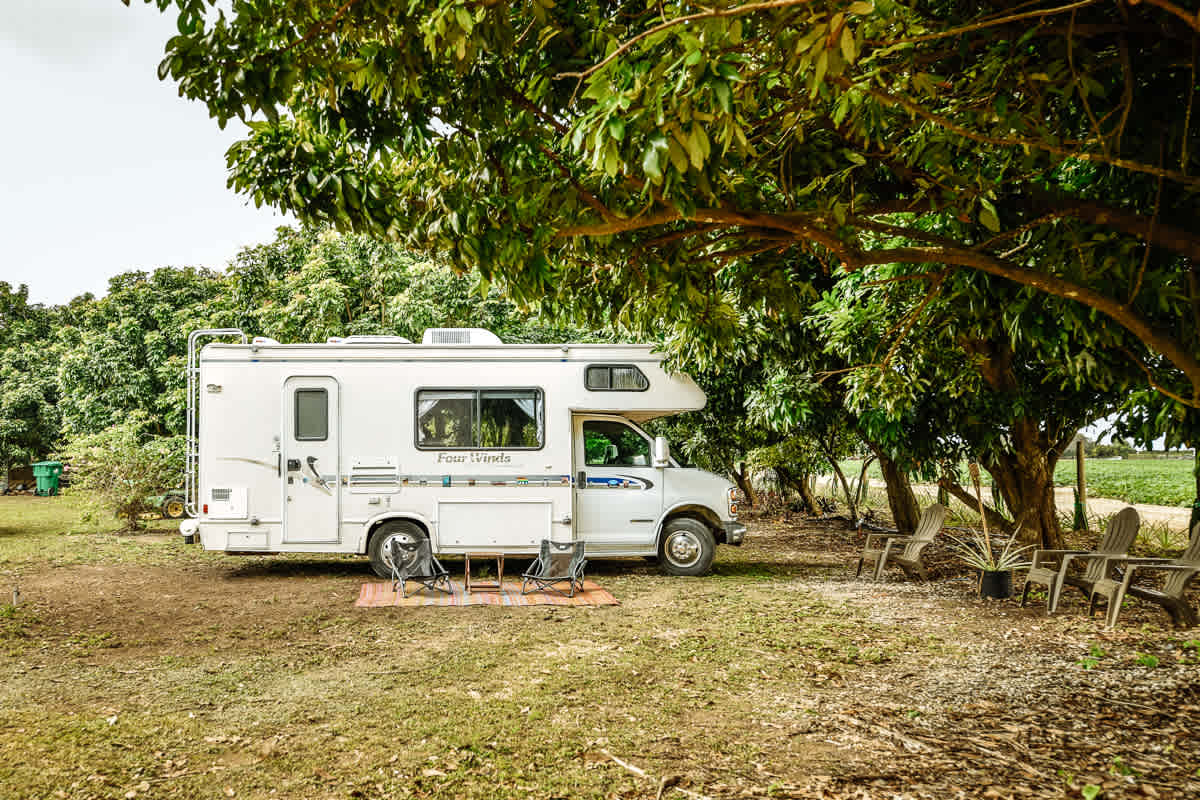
[459,336]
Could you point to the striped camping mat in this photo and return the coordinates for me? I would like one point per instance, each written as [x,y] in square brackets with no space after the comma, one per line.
[374,595]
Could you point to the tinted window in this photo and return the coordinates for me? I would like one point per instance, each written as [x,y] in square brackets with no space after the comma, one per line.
[490,419]
[615,378]
[445,419]
[510,418]
[312,415]
[614,444]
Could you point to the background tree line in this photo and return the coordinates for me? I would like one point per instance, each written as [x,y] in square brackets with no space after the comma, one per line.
[967,383]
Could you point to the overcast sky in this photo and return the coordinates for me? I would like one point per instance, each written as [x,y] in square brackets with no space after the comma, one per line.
[105,168]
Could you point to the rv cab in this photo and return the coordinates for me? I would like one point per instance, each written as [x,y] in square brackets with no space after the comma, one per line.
[476,445]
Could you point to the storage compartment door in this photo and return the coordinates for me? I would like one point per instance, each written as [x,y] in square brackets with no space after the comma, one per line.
[484,525]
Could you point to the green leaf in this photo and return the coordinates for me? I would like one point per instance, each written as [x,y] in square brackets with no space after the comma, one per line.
[616,127]
[987,216]
[464,19]
[650,157]
[849,49]
[1090,792]
[819,76]
[724,95]
[860,8]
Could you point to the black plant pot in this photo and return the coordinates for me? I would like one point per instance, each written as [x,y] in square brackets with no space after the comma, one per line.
[996,585]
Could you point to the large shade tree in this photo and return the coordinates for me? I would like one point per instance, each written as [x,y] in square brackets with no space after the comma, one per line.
[637,159]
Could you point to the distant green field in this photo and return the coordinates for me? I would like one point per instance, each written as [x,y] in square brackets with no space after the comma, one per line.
[1164,482]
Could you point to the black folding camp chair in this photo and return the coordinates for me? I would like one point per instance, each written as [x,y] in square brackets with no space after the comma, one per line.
[557,563]
[414,561]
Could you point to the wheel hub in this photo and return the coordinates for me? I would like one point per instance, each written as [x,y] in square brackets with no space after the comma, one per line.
[683,548]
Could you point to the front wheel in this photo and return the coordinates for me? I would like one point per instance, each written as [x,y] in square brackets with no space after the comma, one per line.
[687,547]
[378,551]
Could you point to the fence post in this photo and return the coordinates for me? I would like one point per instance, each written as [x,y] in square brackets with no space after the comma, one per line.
[1080,522]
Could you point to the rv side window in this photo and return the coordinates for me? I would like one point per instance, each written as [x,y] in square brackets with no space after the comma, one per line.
[510,418]
[445,419]
[487,419]
[312,415]
[615,378]
[614,444]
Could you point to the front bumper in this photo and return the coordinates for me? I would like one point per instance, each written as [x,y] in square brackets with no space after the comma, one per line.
[735,531]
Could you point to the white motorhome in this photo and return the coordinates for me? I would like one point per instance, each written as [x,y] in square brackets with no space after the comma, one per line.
[478,445]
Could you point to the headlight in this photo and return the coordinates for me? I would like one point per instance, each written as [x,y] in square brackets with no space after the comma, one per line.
[733,508]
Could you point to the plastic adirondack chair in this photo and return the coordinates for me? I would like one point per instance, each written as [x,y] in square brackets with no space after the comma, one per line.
[1173,595]
[1052,568]
[903,551]
[556,563]
[414,561]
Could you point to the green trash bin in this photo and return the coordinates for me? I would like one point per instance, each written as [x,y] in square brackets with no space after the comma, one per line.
[47,473]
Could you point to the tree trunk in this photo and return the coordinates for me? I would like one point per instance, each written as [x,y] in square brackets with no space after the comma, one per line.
[995,520]
[1025,477]
[1024,472]
[1196,472]
[901,500]
[863,480]
[837,470]
[800,484]
[742,479]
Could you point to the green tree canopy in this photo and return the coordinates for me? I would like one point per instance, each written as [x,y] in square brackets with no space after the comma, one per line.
[669,162]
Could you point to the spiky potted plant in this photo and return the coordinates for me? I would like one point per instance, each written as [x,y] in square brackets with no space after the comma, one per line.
[995,566]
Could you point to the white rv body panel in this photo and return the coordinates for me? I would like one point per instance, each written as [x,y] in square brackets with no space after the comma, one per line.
[308,447]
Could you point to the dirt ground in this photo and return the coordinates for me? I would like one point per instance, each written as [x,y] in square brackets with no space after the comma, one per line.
[177,673]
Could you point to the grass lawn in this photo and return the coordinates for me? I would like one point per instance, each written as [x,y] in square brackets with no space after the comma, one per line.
[1157,481]
[136,666]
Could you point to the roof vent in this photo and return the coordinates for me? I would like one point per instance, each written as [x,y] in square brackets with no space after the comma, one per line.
[459,336]
[376,339]
[263,340]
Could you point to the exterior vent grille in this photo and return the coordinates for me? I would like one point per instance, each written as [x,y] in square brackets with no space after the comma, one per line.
[380,480]
[451,337]
[221,495]
[476,336]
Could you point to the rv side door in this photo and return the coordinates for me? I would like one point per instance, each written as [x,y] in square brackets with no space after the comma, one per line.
[311,459]
[619,494]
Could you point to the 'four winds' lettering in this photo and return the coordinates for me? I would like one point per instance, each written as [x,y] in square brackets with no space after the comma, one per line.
[474,457]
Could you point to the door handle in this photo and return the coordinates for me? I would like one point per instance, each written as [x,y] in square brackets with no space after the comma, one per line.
[582,479]
[312,466]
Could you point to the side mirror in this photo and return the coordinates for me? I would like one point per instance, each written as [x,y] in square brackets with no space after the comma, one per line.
[662,452]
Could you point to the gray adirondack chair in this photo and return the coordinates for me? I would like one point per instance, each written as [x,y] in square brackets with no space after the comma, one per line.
[1053,568]
[1173,595]
[903,551]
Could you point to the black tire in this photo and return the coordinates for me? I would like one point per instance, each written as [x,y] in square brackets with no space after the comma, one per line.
[377,551]
[173,507]
[687,547]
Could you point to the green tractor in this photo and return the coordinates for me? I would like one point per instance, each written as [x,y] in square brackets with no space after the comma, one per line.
[170,505]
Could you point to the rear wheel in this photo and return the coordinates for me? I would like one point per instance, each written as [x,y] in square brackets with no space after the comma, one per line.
[687,547]
[401,529]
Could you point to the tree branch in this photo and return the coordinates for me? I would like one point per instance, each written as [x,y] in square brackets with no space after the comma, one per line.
[1120,313]
[999,141]
[748,8]
[1191,18]
[991,23]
